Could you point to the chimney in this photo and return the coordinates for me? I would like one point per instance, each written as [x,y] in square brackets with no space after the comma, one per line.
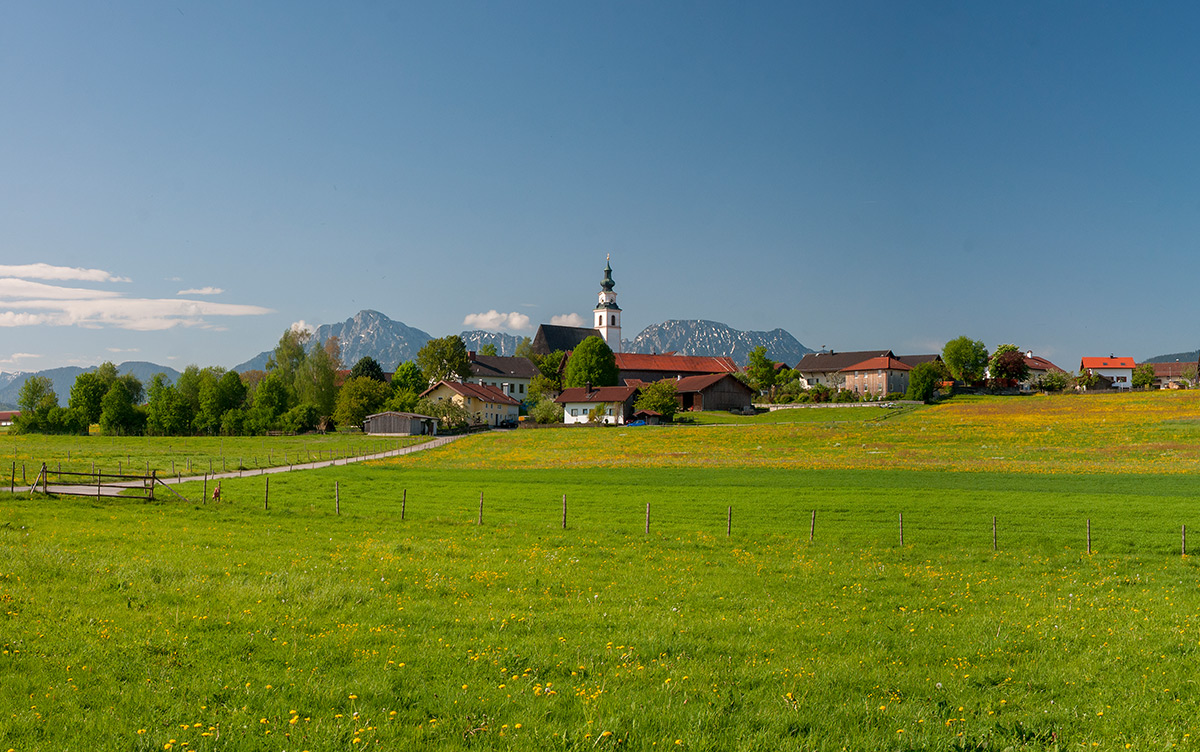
[588,387]
[1029,353]
[471,355]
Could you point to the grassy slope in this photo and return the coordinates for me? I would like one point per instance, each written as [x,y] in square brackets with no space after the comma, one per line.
[125,618]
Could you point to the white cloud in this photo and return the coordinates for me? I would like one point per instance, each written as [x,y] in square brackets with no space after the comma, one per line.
[123,349]
[201,291]
[27,303]
[18,357]
[137,314]
[46,271]
[494,321]
[302,327]
[567,319]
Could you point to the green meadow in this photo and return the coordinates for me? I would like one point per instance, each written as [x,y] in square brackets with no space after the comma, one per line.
[411,620]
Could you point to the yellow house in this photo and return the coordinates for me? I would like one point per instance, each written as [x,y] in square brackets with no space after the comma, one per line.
[486,405]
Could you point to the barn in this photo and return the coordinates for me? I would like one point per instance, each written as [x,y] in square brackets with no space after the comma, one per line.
[714,391]
[400,424]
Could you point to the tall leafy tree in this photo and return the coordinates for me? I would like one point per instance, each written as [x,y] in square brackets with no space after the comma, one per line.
[662,397]
[358,398]
[592,363]
[525,350]
[489,349]
[966,358]
[408,378]
[1143,375]
[86,395]
[166,411]
[924,379]
[35,400]
[368,367]
[444,359]
[118,416]
[1008,365]
[761,370]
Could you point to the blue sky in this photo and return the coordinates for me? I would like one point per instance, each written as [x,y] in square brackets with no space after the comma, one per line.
[181,182]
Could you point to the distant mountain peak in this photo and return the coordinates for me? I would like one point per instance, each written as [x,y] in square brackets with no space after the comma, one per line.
[704,337]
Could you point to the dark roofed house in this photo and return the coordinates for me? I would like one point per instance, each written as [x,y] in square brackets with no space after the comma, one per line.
[508,374]
[1038,368]
[578,402]
[1175,375]
[916,360]
[400,424]
[881,375]
[646,367]
[551,337]
[826,367]
[715,391]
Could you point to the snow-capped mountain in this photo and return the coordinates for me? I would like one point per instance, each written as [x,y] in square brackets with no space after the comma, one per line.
[366,333]
[699,337]
[506,344]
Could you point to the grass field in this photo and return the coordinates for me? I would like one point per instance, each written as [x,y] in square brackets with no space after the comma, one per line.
[227,626]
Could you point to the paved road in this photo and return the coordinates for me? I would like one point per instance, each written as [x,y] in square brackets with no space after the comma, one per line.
[116,489]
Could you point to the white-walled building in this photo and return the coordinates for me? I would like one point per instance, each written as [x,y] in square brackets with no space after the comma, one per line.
[1117,370]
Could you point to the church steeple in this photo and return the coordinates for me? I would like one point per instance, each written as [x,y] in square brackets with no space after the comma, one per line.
[607,312]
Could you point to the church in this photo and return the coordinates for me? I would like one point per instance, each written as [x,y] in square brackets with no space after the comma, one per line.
[607,315]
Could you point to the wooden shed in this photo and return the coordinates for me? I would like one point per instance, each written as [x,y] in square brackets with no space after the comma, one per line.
[716,391]
[400,424]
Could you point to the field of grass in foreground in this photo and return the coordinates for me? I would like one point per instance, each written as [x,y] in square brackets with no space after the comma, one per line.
[127,625]
[224,626]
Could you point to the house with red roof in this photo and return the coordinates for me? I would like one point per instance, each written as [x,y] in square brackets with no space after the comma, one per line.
[714,391]
[880,376]
[1117,370]
[648,368]
[615,402]
[485,404]
[1038,368]
[1174,375]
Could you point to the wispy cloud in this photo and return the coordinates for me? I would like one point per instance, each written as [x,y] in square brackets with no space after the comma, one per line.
[119,350]
[302,327]
[201,291]
[567,319]
[28,303]
[494,321]
[16,358]
[58,273]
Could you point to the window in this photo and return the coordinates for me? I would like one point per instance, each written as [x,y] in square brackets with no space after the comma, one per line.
[574,412]
[522,388]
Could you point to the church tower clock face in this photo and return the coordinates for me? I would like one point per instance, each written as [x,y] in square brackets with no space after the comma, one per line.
[607,312]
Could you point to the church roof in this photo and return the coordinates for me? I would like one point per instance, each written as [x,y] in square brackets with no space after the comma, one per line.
[500,366]
[551,337]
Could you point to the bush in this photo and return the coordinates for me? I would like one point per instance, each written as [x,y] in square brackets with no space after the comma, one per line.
[846,395]
[546,411]
[892,396]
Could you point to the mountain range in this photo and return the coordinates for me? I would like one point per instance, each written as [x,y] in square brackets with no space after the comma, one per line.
[390,342]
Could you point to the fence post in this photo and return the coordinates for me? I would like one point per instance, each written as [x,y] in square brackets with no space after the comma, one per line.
[403,503]
[337,498]
[902,529]
[480,520]
[153,481]
[647,518]
[564,511]
[266,493]
[729,521]
[1089,535]
[206,488]
[45,479]
[12,486]
[993,532]
[1183,541]
[812,527]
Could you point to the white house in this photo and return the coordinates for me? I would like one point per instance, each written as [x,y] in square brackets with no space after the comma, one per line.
[578,403]
[510,375]
[1117,370]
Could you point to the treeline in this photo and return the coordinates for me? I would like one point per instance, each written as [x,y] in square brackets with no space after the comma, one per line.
[298,392]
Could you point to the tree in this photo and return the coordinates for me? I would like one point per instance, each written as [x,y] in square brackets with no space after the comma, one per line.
[1053,381]
[525,350]
[316,377]
[359,398]
[1143,375]
[35,400]
[448,412]
[550,363]
[408,378]
[444,359]
[86,395]
[662,397]
[489,349]
[117,414]
[368,367]
[542,387]
[546,411]
[289,354]
[1007,365]
[966,358]
[166,412]
[761,370]
[220,392]
[591,363]
[924,379]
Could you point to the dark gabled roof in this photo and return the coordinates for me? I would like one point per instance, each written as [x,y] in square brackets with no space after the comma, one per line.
[700,383]
[500,366]
[880,363]
[1038,363]
[916,360]
[478,391]
[597,394]
[1173,370]
[551,337]
[828,362]
[401,415]
[675,364]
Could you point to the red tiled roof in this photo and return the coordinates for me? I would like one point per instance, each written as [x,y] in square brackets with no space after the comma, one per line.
[700,383]
[675,363]
[478,391]
[1038,363]
[881,363]
[1173,370]
[1109,362]
[598,394]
